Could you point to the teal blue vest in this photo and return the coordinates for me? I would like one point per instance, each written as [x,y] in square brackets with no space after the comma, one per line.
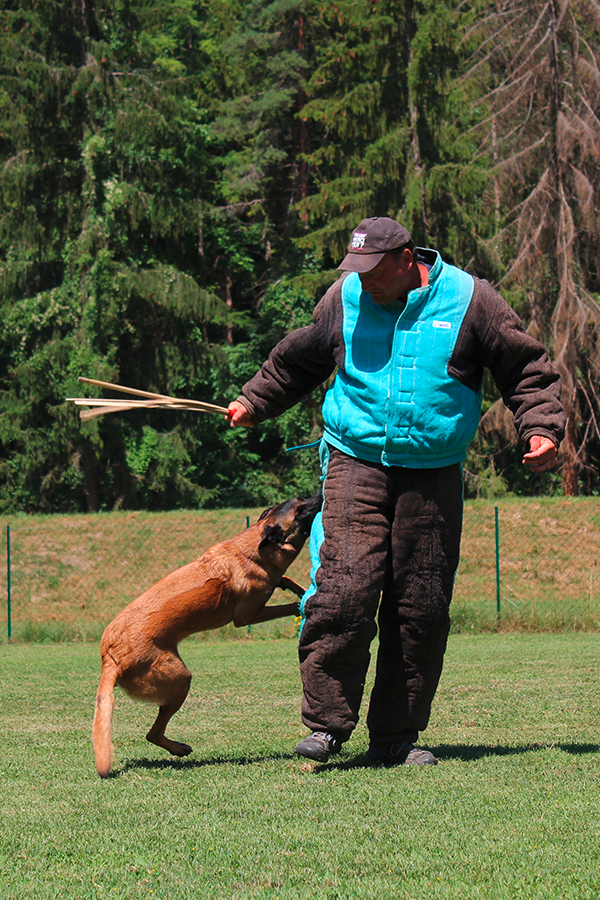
[395,402]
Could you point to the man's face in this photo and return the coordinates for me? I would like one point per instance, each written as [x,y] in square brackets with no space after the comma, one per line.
[389,280]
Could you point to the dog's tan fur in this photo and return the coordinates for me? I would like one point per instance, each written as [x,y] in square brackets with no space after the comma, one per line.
[231,582]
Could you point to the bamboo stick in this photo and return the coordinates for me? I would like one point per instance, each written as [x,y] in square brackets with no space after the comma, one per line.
[153,401]
[121,387]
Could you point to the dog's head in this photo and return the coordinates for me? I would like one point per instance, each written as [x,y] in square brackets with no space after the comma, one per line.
[287,525]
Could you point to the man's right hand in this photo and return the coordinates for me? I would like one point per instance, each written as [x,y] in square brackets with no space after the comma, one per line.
[542,454]
[237,414]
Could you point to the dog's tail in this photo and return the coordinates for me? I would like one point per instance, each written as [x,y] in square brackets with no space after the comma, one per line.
[105,704]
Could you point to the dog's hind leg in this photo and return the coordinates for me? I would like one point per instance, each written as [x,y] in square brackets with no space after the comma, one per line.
[179,685]
[101,731]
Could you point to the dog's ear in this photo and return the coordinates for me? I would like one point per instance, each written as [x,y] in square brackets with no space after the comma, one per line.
[273,534]
[264,513]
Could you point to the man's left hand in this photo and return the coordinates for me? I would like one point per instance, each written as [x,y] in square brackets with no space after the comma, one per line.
[542,454]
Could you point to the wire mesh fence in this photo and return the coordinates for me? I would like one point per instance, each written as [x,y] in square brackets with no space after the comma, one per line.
[525,563]
[531,564]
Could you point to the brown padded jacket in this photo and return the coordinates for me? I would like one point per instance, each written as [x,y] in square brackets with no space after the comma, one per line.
[492,336]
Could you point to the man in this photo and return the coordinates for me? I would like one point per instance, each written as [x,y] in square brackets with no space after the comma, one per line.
[410,336]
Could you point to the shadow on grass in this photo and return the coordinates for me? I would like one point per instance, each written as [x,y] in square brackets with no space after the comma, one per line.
[443,752]
[468,753]
[185,764]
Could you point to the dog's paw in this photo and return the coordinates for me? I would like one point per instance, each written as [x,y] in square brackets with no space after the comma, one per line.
[175,748]
[180,749]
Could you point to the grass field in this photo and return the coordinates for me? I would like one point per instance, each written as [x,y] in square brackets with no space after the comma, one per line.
[512,811]
[72,574]
[549,564]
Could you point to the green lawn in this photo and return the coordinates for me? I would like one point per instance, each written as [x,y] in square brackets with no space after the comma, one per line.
[512,811]
[70,575]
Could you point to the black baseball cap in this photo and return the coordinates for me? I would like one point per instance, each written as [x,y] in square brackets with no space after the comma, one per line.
[370,241]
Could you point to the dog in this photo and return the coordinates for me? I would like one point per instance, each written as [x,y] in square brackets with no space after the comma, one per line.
[231,582]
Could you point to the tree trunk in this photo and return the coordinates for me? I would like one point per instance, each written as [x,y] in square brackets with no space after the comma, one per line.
[303,131]
[570,466]
[413,111]
[85,459]
[566,312]
[229,304]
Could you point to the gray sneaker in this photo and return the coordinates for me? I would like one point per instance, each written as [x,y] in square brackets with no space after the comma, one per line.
[319,745]
[401,755]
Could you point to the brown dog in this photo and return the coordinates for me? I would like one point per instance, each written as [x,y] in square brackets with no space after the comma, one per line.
[231,582]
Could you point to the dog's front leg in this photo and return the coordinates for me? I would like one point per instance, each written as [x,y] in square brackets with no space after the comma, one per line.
[267,613]
[288,584]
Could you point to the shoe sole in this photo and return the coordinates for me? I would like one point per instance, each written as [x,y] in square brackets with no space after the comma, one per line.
[389,762]
[315,756]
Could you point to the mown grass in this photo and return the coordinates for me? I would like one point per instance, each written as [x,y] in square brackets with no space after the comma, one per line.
[512,810]
[72,574]
[549,560]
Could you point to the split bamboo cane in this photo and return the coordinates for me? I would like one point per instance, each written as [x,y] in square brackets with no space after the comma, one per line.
[152,401]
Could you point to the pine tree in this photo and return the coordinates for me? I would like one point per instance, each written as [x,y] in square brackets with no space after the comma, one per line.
[539,76]
[106,168]
[379,94]
[264,63]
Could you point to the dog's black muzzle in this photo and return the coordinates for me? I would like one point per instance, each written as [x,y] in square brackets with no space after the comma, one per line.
[308,510]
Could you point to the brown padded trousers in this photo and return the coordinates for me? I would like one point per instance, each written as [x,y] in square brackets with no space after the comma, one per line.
[391,541]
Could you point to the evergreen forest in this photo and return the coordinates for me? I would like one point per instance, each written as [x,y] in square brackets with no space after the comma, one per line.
[179,180]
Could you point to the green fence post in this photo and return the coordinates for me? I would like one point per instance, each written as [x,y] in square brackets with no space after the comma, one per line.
[248,526]
[497,563]
[8,576]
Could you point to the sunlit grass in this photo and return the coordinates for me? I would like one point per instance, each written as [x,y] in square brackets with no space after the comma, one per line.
[512,810]
[72,574]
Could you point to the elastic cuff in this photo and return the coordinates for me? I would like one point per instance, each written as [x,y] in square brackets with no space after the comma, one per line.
[251,411]
[540,432]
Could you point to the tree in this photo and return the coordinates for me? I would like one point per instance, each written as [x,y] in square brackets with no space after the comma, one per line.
[379,93]
[106,166]
[537,67]
[261,66]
